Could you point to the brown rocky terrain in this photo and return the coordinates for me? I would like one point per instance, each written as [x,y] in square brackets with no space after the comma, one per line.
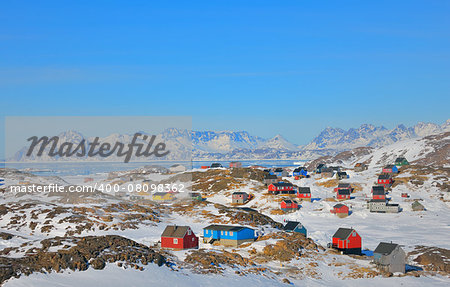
[79,253]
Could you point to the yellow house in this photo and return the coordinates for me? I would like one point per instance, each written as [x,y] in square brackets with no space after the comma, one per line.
[163,196]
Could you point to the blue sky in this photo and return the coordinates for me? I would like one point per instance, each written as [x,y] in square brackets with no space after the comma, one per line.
[268,67]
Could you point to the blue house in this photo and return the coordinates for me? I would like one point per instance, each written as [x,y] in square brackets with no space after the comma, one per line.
[300,171]
[228,235]
[295,226]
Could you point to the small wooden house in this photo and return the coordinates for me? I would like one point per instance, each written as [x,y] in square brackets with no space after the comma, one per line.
[281,188]
[390,257]
[270,178]
[228,235]
[178,238]
[360,167]
[340,210]
[343,194]
[378,192]
[385,180]
[235,164]
[300,172]
[304,193]
[239,197]
[390,169]
[401,161]
[343,186]
[382,206]
[289,205]
[347,240]
[319,167]
[295,226]
[405,195]
[341,175]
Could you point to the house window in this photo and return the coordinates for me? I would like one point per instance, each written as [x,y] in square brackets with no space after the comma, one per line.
[231,233]
[189,232]
[193,238]
[221,232]
[354,234]
[175,241]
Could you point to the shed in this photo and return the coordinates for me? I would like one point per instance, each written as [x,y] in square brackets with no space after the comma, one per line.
[295,226]
[390,257]
[289,205]
[239,197]
[178,238]
[347,240]
[341,210]
[304,193]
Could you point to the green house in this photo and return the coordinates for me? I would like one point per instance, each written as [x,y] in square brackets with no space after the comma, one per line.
[401,161]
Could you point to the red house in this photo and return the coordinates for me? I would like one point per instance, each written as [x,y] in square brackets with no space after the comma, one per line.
[235,164]
[288,205]
[178,238]
[390,169]
[343,186]
[304,193]
[385,180]
[340,210]
[378,192]
[343,194]
[347,240]
[281,188]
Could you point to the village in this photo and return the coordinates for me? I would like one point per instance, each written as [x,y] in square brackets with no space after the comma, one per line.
[388,257]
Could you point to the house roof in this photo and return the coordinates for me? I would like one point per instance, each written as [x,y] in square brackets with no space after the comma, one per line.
[282,184]
[225,227]
[287,201]
[384,176]
[278,169]
[216,164]
[304,190]
[400,159]
[385,248]
[344,185]
[342,173]
[239,193]
[344,191]
[343,233]
[378,190]
[299,169]
[270,176]
[389,166]
[339,205]
[291,225]
[320,165]
[360,164]
[175,231]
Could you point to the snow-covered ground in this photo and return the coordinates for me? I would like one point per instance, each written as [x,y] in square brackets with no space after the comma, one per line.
[407,228]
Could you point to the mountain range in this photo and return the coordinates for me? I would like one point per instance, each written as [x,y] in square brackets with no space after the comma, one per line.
[229,145]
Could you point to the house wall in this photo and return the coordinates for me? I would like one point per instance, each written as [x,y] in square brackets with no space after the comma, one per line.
[394,262]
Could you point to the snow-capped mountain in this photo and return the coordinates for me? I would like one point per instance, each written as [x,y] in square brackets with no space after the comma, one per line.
[229,145]
[369,135]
